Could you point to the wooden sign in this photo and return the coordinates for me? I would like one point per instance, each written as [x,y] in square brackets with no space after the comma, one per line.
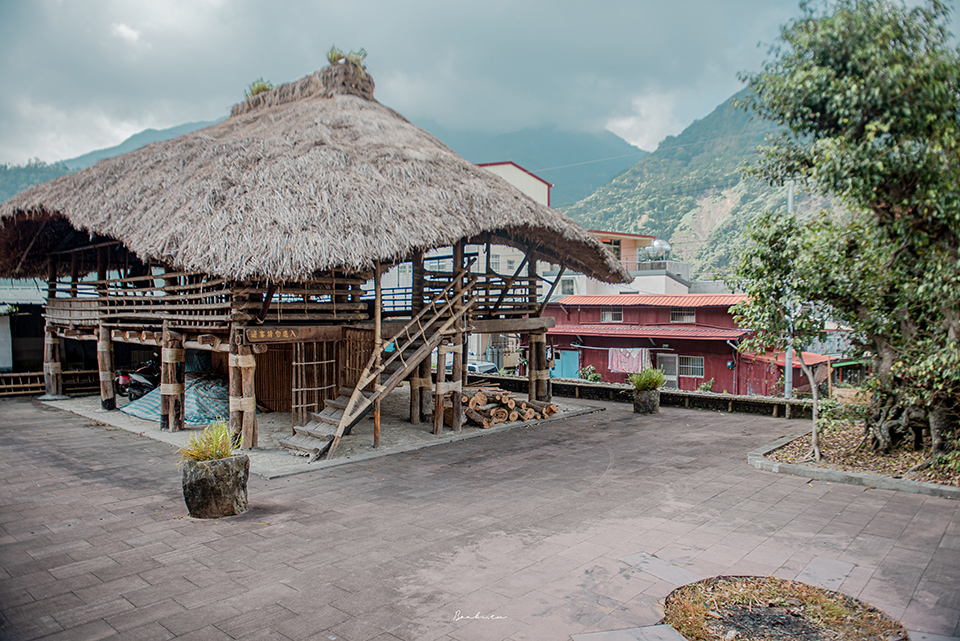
[292,334]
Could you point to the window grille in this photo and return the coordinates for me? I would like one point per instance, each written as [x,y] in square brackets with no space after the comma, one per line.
[691,366]
[611,315]
[683,315]
[566,286]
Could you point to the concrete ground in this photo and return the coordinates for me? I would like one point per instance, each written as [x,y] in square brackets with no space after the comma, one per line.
[575,527]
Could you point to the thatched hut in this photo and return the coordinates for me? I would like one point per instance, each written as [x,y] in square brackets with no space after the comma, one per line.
[261,230]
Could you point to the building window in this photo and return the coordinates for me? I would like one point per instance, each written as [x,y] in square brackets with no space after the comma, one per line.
[495,262]
[566,286]
[613,244]
[611,315]
[511,265]
[683,315]
[690,366]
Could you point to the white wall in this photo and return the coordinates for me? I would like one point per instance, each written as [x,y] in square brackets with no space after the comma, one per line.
[6,345]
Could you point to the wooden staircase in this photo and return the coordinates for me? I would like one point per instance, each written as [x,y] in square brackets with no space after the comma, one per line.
[438,320]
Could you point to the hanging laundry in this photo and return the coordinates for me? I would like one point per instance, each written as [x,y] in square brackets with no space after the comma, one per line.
[628,360]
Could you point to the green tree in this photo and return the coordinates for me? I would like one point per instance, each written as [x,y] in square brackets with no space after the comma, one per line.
[869,93]
[774,272]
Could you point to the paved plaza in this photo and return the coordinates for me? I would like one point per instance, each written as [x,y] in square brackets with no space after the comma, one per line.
[569,529]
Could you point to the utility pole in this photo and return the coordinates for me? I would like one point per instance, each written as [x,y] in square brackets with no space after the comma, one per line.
[788,357]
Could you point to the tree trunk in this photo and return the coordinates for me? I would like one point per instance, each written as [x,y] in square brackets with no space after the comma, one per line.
[814,388]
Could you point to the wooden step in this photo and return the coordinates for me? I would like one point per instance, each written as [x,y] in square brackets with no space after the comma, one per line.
[348,392]
[338,403]
[326,417]
[305,444]
[319,431]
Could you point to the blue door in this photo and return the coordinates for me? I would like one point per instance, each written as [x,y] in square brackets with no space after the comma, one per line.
[565,364]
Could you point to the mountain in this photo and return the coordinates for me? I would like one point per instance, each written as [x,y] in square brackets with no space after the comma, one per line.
[16,178]
[690,191]
[576,163]
[134,142]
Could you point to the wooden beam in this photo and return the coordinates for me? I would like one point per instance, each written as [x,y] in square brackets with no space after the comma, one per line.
[512,325]
[292,333]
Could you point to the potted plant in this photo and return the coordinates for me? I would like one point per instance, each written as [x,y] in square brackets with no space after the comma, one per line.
[214,478]
[646,390]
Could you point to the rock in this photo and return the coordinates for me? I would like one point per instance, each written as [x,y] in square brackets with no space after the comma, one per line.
[217,487]
[646,401]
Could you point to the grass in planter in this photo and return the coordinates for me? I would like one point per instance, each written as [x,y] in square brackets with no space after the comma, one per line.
[214,442]
[647,380]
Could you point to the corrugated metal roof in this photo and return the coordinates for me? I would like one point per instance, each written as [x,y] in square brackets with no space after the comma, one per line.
[648,331]
[657,300]
[808,357]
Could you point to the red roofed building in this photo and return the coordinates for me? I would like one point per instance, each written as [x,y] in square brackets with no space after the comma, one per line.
[692,337]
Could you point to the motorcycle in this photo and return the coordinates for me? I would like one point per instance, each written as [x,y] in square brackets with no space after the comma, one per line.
[138,382]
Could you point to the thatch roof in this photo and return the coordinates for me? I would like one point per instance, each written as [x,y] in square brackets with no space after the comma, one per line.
[311,176]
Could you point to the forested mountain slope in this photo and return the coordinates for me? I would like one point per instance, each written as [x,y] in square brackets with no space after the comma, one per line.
[690,191]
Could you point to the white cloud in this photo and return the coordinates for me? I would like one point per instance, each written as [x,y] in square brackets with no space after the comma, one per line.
[652,120]
[52,133]
[129,34]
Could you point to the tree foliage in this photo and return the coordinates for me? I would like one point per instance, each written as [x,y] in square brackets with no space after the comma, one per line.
[869,93]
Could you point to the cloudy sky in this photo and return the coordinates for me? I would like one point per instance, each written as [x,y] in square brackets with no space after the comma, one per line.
[81,75]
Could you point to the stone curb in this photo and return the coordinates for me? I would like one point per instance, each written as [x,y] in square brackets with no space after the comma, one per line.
[758,459]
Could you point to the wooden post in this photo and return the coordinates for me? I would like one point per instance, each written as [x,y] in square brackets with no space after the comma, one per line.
[235,384]
[52,370]
[533,366]
[108,396]
[538,343]
[440,384]
[459,363]
[172,360]
[377,349]
[247,364]
[418,374]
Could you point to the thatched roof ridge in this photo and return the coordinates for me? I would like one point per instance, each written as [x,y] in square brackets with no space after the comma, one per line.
[311,176]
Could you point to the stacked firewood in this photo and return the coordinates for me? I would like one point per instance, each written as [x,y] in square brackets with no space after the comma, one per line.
[486,405]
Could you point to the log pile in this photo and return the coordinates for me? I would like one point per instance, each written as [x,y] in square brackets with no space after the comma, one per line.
[486,405]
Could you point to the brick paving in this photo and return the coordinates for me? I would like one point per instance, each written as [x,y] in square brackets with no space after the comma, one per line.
[539,533]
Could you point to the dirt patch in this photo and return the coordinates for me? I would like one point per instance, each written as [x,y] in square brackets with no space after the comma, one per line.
[840,449]
[749,608]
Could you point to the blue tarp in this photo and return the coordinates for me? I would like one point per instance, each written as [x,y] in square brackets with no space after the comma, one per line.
[206,399]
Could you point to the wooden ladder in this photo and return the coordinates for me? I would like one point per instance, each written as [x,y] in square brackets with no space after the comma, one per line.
[411,345]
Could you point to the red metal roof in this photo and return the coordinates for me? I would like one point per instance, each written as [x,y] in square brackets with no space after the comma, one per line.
[808,357]
[649,331]
[657,300]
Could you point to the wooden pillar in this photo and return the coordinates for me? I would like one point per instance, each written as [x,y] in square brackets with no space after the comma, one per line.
[538,343]
[377,349]
[172,374]
[235,386]
[108,396]
[52,370]
[105,362]
[438,389]
[247,364]
[423,370]
[459,363]
[532,366]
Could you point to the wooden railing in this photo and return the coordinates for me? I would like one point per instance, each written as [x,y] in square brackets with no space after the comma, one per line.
[31,383]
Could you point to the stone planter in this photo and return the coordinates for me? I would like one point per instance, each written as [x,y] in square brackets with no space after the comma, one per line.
[646,401]
[217,487]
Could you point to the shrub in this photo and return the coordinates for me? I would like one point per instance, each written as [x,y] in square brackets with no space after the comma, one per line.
[257,86]
[212,443]
[647,380]
[706,386]
[589,373]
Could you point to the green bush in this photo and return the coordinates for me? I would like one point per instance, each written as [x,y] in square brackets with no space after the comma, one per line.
[590,373]
[706,386]
[647,380]
[257,86]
